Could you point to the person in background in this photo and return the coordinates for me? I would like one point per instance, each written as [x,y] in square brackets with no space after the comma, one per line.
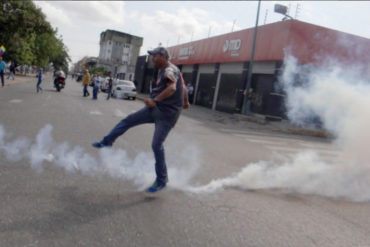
[39,80]
[110,85]
[85,82]
[190,89]
[96,87]
[11,71]
[2,70]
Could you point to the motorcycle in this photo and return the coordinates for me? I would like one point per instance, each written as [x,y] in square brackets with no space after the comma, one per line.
[59,83]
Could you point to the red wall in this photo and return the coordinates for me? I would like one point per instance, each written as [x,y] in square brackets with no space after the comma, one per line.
[309,43]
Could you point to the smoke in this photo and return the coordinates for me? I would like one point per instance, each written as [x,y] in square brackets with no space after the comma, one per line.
[112,162]
[338,98]
[333,95]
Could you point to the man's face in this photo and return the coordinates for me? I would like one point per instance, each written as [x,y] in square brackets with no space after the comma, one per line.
[158,60]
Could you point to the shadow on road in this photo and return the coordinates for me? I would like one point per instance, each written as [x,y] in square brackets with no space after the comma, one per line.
[77,209]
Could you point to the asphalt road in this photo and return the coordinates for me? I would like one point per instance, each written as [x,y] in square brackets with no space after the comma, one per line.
[54,207]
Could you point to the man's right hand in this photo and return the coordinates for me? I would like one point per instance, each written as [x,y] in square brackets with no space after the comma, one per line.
[149,102]
[186,105]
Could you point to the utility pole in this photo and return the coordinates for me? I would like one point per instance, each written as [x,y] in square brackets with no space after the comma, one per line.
[246,99]
[232,29]
[297,10]
[209,31]
[267,11]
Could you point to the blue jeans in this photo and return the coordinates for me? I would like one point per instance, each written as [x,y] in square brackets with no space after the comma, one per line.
[2,78]
[109,92]
[85,91]
[38,88]
[162,128]
[95,92]
[11,74]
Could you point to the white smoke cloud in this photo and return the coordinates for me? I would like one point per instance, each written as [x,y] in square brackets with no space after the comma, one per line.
[337,95]
[112,162]
[340,98]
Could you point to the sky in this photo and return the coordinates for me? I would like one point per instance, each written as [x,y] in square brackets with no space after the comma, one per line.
[175,22]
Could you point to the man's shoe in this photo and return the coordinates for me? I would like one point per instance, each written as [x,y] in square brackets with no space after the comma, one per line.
[155,187]
[100,145]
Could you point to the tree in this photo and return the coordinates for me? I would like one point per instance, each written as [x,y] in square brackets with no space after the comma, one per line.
[28,37]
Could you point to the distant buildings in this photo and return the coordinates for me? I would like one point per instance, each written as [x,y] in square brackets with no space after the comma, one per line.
[118,53]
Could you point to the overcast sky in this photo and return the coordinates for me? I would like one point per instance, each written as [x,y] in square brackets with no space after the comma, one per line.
[172,22]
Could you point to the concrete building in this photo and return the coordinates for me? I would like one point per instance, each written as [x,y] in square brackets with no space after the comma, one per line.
[118,53]
[218,66]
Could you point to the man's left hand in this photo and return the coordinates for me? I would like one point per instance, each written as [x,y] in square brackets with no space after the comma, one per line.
[149,102]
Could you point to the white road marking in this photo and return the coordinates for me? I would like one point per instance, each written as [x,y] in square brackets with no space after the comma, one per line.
[96,113]
[119,113]
[15,101]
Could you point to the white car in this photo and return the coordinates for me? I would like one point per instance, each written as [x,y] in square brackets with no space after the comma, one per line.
[124,89]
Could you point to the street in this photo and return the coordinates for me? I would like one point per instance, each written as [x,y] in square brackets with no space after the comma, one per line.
[63,203]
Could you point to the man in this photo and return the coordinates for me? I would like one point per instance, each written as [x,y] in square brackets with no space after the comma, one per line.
[96,87]
[2,70]
[39,80]
[11,71]
[85,82]
[110,85]
[163,108]
[190,91]
[57,74]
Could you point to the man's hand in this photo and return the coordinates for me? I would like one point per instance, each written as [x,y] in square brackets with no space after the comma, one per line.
[149,102]
[186,105]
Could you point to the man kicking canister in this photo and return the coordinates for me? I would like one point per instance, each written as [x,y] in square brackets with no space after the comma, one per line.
[167,97]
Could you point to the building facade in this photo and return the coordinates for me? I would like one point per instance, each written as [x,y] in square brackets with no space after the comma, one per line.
[118,53]
[218,66]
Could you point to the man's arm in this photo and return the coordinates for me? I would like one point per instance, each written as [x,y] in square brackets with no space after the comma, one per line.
[170,89]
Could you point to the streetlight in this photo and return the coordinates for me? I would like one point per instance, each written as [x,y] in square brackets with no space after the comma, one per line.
[281,9]
[246,99]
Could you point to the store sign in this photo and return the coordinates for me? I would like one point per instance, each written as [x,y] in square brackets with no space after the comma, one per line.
[233,46]
[186,52]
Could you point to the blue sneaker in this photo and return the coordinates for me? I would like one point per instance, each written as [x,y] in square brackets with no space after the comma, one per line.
[100,145]
[155,187]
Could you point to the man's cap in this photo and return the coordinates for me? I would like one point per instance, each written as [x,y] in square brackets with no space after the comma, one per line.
[160,50]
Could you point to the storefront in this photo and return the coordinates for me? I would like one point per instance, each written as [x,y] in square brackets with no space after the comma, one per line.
[218,66]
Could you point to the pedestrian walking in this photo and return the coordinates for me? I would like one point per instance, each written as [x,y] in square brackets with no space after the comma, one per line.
[110,85]
[11,71]
[96,87]
[2,70]
[163,109]
[39,80]
[85,82]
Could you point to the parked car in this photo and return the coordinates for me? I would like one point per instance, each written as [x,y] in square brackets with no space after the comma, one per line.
[124,89]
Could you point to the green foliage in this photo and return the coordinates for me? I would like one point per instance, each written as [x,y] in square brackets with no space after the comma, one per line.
[98,70]
[28,37]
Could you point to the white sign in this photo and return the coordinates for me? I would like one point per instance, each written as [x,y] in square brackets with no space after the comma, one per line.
[186,52]
[233,46]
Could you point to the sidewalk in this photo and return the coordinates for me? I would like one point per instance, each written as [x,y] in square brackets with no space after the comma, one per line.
[243,122]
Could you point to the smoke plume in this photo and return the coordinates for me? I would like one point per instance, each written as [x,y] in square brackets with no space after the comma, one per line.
[112,162]
[339,97]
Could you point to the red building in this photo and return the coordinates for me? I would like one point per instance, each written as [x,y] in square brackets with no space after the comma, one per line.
[218,66]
